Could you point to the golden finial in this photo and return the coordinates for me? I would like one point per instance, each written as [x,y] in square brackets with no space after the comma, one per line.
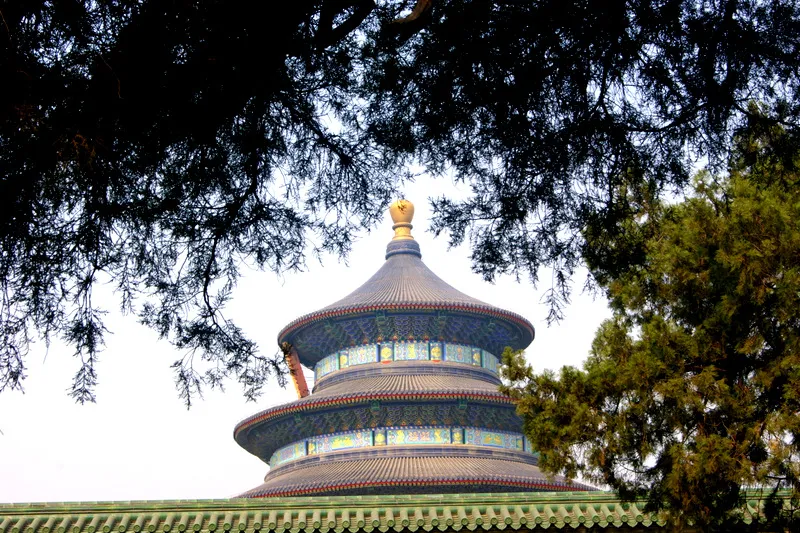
[402,212]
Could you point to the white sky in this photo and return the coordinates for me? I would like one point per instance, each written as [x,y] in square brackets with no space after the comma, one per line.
[139,442]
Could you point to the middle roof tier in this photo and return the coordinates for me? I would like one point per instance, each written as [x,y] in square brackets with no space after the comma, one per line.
[408,393]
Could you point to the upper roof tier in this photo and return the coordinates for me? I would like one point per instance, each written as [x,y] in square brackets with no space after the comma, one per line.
[405,300]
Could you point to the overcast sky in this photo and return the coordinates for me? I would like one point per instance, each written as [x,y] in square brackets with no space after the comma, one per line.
[139,441]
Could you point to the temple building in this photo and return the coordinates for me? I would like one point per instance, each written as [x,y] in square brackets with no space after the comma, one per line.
[405,430]
[405,396]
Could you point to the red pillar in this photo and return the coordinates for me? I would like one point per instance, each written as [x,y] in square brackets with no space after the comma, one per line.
[296,371]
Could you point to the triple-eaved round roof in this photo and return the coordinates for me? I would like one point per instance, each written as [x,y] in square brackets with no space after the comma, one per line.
[405,300]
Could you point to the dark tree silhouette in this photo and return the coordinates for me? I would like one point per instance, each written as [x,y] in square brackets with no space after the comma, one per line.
[164,144]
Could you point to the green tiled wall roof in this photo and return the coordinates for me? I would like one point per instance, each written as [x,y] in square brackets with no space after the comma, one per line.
[336,514]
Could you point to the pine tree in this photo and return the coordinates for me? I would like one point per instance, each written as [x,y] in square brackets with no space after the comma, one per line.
[692,389]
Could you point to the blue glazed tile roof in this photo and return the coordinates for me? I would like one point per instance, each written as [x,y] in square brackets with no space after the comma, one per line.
[404,299]
[404,278]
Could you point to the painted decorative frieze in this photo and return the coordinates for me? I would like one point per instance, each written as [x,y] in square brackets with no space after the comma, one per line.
[387,352]
[418,436]
[411,351]
[362,355]
[326,366]
[291,452]
[400,436]
[494,439]
[340,441]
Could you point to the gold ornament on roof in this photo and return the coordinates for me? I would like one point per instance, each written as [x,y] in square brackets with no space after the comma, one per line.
[402,212]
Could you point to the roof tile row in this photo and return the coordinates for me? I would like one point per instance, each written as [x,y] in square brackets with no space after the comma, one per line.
[353,514]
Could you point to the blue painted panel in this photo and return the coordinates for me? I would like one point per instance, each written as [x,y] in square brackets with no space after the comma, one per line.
[411,351]
[490,362]
[387,352]
[361,355]
[288,453]
[418,436]
[340,441]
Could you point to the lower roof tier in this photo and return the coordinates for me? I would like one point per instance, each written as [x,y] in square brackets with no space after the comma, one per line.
[402,471]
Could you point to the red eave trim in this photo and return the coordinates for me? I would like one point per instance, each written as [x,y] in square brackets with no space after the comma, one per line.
[467,481]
